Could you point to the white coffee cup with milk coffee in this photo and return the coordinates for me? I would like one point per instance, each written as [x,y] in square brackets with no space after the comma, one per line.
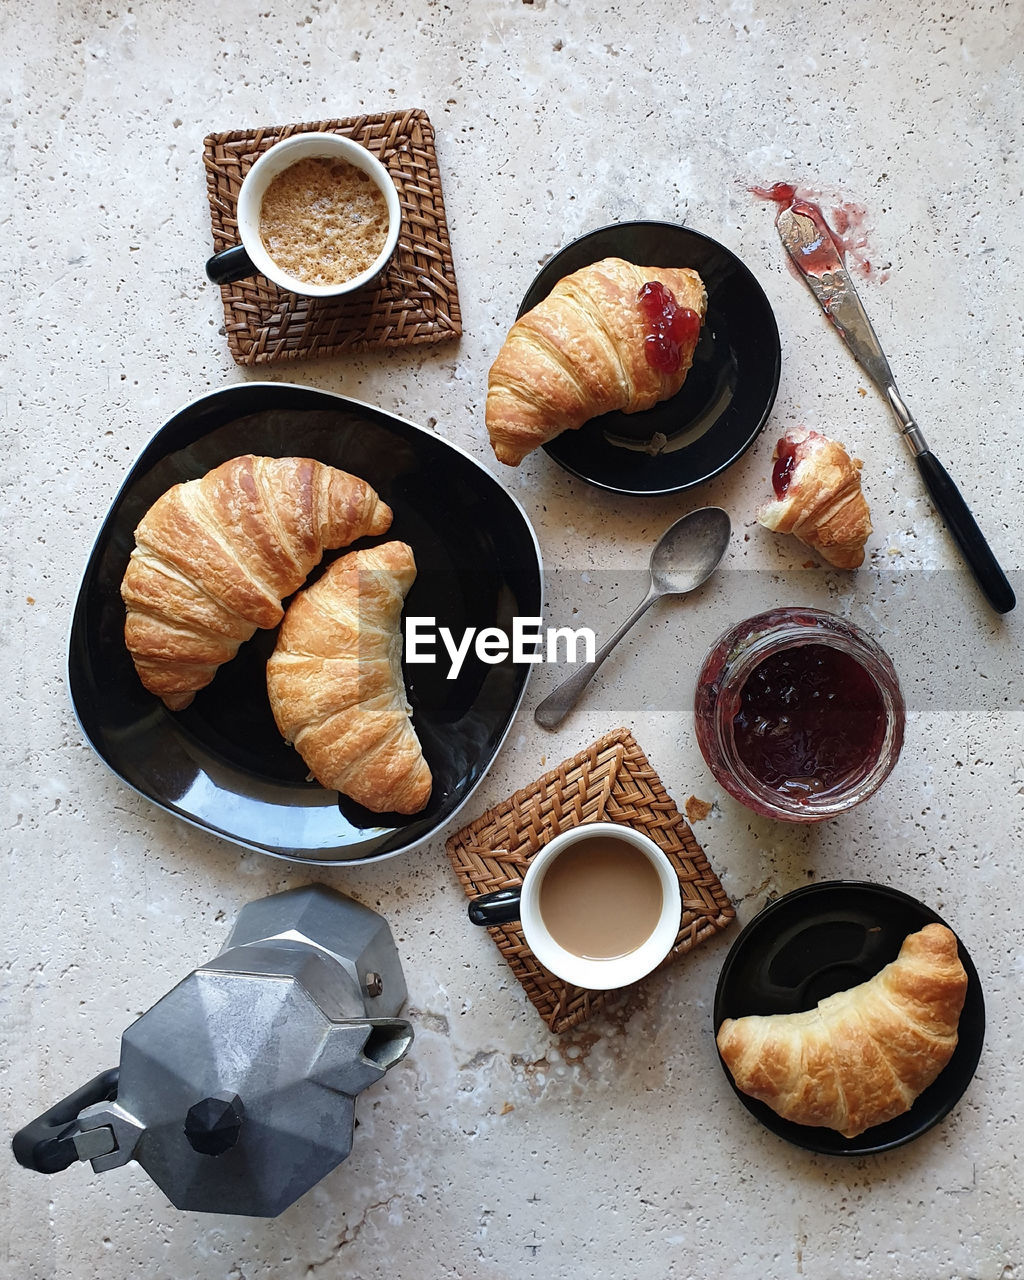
[599,905]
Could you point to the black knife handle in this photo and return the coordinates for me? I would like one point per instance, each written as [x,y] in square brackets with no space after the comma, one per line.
[962,525]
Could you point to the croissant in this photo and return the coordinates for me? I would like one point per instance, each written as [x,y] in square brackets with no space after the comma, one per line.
[862,1056]
[818,497]
[336,687]
[215,557]
[592,346]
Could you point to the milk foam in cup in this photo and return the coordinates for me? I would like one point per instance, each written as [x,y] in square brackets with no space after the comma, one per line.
[314,257]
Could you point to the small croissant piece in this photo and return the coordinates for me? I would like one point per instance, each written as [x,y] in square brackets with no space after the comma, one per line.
[582,352]
[215,557]
[818,497]
[336,687]
[862,1056]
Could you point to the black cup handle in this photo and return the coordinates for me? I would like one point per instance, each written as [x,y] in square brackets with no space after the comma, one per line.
[47,1144]
[230,265]
[501,907]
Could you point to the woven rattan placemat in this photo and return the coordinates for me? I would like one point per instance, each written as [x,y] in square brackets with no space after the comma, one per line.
[610,781]
[414,301]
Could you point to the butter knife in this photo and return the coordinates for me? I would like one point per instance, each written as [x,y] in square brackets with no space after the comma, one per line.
[808,241]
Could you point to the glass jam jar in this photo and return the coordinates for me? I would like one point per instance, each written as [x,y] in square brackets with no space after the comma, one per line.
[799,714]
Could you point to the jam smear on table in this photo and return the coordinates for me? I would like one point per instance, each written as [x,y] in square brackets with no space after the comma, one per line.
[810,721]
[783,193]
[825,252]
[671,329]
[846,234]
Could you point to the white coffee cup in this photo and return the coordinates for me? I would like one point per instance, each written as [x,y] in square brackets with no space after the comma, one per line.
[596,974]
[251,257]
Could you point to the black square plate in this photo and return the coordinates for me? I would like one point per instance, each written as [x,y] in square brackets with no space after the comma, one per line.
[221,763]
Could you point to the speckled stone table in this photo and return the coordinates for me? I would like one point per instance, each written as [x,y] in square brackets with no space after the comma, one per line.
[496,1150]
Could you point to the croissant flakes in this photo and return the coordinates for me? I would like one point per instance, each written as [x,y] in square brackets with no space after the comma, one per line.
[336,687]
[215,557]
[862,1056]
[818,497]
[583,351]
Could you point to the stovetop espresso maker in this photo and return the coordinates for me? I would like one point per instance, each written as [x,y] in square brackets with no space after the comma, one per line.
[236,1091]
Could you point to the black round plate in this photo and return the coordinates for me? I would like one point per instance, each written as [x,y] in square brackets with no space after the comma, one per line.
[728,393]
[822,939]
[221,763]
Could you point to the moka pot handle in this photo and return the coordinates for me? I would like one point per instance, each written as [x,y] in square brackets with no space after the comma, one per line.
[47,1144]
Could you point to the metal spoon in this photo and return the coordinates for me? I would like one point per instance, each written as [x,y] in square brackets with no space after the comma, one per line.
[685,555]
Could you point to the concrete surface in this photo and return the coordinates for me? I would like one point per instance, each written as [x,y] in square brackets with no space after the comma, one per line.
[496,1150]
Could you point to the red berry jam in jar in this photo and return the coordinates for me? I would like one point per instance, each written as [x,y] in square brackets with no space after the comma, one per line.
[799,714]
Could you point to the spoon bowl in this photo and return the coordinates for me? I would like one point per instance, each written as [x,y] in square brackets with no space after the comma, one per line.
[684,557]
[689,551]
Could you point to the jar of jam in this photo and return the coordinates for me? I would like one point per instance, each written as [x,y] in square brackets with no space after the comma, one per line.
[799,714]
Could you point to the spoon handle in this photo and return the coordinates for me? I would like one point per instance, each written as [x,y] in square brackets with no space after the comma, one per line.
[557,705]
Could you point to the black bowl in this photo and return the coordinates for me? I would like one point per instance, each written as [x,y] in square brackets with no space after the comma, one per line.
[728,394]
[221,763]
[822,939]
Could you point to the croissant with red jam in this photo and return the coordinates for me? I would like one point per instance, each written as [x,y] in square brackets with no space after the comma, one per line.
[611,336]
[818,497]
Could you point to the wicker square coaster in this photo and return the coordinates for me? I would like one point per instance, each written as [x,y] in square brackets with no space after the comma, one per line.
[610,781]
[414,301]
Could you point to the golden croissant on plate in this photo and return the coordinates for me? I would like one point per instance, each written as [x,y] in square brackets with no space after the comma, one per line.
[215,557]
[336,687]
[862,1056]
[818,497]
[593,345]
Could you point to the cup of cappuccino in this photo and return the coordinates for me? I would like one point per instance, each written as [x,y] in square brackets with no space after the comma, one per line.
[318,214]
[599,906]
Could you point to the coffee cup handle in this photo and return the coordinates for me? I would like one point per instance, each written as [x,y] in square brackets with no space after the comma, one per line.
[501,907]
[230,265]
